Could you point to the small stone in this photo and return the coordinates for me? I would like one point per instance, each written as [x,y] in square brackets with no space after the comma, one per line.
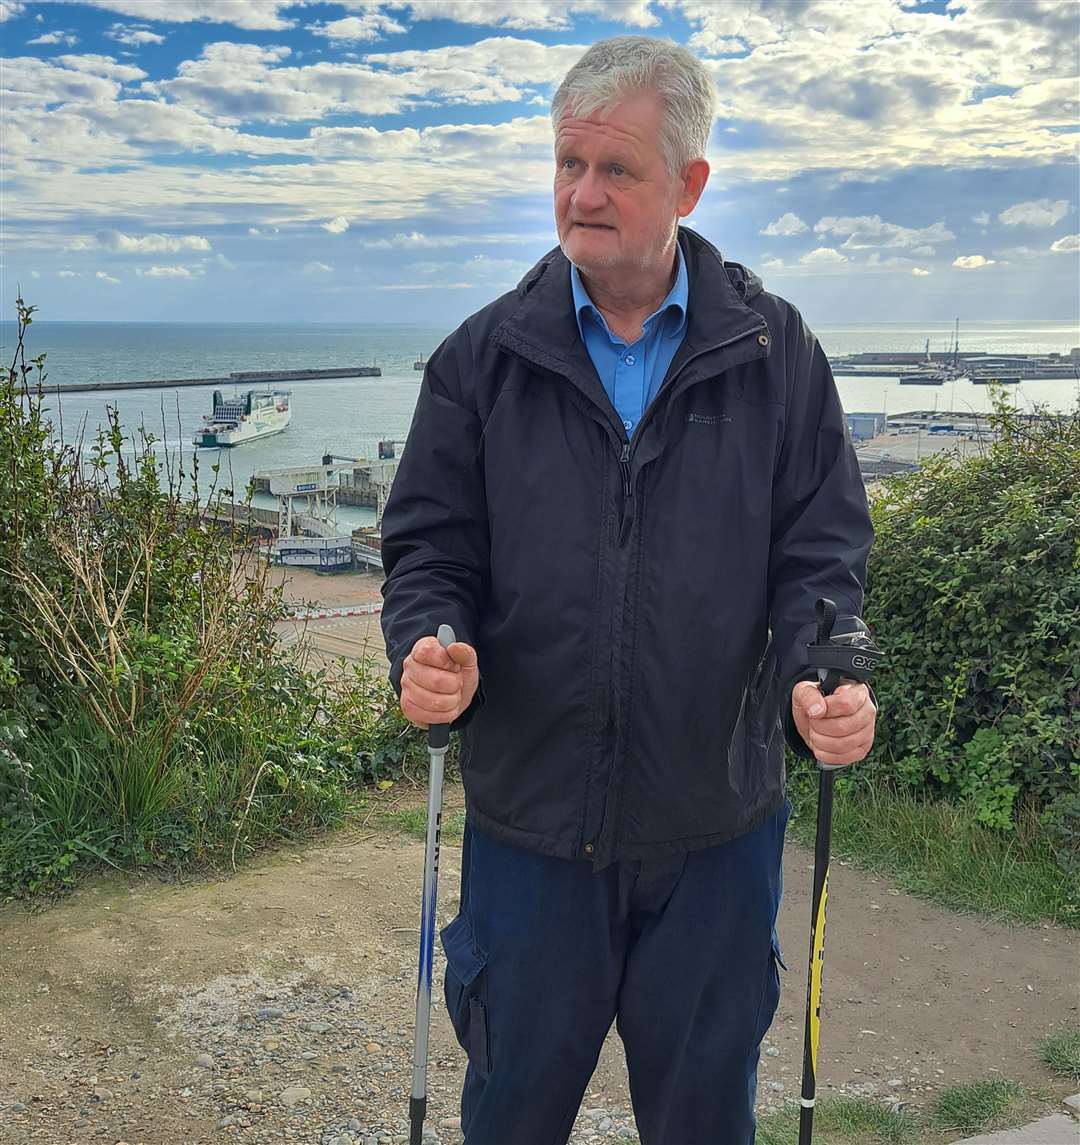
[595,1114]
[225,1122]
[318,1027]
[204,1061]
[308,1055]
[374,1048]
[450,1123]
[339,1069]
[1073,1103]
[267,1013]
[604,1124]
[341,1139]
[772,1052]
[254,1096]
[896,1082]
[775,1086]
[18,1107]
[294,1095]
[103,1094]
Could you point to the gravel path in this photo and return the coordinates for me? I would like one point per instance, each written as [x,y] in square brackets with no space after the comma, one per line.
[278,1004]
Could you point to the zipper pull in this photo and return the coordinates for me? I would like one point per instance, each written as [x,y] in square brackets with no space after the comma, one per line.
[624,461]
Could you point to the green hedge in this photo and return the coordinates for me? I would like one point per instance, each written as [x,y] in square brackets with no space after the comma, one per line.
[974,592]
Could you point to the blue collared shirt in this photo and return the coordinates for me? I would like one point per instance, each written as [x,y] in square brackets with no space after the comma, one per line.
[632,374]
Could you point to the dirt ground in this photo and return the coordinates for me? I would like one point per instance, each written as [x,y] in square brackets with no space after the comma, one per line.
[277,1004]
[110,997]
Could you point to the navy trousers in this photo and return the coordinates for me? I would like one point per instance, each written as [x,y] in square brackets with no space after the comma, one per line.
[681,953]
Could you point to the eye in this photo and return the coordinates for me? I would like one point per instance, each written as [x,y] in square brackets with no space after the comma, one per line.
[567,164]
[617,169]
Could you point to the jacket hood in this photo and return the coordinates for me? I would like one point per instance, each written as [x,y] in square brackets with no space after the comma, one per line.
[746,282]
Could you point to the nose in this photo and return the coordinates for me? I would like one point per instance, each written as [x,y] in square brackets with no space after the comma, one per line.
[590,194]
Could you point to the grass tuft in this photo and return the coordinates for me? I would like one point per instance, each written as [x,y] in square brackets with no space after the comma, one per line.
[980,1105]
[1061,1052]
[938,851]
[838,1120]
[413,820]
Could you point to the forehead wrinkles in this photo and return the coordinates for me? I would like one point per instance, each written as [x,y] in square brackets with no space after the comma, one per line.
[575,132]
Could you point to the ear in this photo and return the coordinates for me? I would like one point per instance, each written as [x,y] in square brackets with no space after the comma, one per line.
[694,178]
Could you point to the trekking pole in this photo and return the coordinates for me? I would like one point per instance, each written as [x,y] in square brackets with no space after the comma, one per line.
[438,741]
[836,658]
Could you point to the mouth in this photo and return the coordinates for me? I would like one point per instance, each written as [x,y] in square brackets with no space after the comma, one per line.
[594,226]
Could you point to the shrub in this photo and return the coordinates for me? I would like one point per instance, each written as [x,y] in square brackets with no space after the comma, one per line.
[974,591]
[147,714]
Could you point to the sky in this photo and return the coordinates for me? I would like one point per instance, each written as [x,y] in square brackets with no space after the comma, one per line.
[270,161]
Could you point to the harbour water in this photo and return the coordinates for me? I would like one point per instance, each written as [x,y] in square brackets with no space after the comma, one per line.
[348,417]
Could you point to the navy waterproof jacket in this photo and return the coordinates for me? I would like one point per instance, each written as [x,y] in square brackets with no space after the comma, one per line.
[640,608]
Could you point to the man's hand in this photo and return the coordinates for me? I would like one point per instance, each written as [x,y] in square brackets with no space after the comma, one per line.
[437,683]
[844,730]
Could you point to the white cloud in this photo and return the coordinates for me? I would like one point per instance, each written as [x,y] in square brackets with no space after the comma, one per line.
[972,261]
[253,15]
[370,26]
[133,35]
[822,256]
[787,224]
[317,268]
[1035,213]
[35,274]
[545,14]
[919,272]
[170,272]
[107,278]
[68,274]
[9,9]
[982,218]
[68,38]
[415,240]
[141,244]
[1066,243]
[866,231]
[336,226]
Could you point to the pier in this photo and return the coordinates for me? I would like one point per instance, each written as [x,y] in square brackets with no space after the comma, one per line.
[247,377]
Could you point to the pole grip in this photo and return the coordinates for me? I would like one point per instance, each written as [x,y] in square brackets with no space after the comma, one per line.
[439,734]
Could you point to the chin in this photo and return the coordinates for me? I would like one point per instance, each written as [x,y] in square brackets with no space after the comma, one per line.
[587,255]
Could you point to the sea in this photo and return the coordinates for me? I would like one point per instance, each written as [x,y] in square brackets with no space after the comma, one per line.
[348,417]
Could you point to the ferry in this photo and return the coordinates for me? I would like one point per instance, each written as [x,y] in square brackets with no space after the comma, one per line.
[419,363]
[244,417]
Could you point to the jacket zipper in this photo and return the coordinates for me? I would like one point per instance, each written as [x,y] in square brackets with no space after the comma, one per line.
[618,769]
[624,461]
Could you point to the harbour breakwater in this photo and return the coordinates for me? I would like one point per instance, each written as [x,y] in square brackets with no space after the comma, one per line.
[247,377]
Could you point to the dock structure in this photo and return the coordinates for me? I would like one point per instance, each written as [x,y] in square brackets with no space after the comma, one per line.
[247,377]
[972,364]
[249,520]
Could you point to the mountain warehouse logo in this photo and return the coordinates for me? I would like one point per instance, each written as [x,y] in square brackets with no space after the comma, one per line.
[706,418]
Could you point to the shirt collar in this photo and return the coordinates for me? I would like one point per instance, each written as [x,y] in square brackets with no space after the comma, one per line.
[677,298]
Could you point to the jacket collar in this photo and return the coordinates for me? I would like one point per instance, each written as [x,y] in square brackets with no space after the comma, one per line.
[543,328]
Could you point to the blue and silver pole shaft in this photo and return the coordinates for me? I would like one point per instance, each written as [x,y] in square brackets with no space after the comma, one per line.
[851,655]
[438,741]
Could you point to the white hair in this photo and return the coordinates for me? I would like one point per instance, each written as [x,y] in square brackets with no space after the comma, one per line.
[613,69]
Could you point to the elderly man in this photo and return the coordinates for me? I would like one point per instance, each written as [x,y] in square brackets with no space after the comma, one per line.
[626,484]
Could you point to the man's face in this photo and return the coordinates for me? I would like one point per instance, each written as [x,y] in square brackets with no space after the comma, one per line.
[616,205]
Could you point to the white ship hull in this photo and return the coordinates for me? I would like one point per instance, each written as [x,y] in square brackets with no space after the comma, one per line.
[240,420]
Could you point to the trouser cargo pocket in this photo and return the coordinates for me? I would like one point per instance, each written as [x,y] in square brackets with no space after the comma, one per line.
[464,991]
